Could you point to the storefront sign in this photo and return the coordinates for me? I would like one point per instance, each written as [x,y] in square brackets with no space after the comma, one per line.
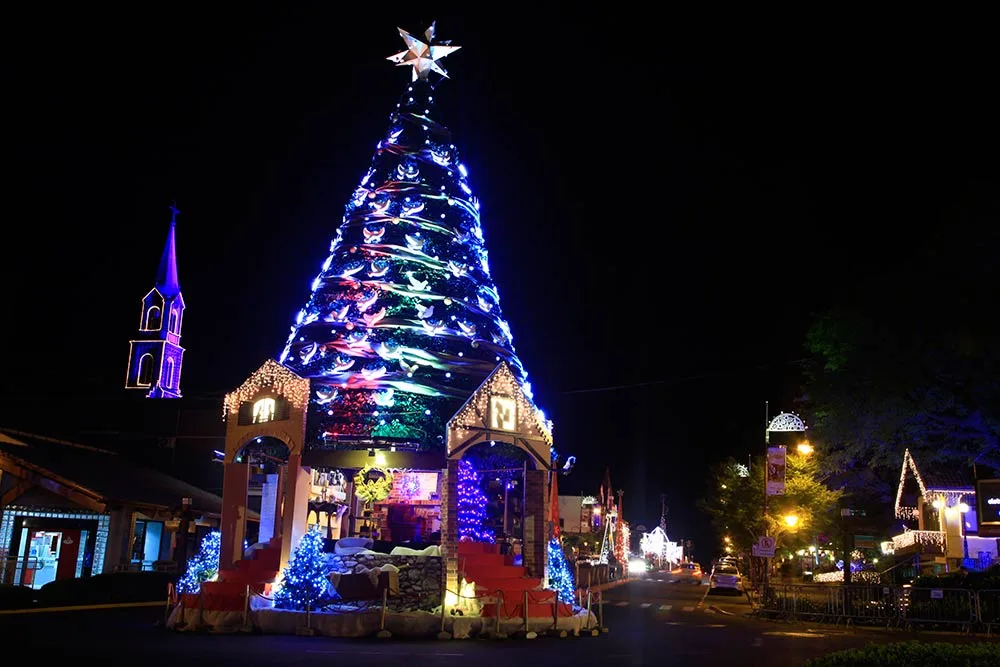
[775,471]
[988,501]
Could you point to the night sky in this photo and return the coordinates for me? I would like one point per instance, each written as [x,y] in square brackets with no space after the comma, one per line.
[665,203]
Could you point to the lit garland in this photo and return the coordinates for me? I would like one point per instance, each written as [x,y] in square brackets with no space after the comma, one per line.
[203,566]
[274,376]
[304,581]
[373,489]
[948,497]
[471,505]
[560,576]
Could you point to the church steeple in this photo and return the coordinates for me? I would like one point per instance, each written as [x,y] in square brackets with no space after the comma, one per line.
[166,276]
[155,356]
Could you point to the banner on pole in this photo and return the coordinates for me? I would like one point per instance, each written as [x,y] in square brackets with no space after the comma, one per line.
[775,471]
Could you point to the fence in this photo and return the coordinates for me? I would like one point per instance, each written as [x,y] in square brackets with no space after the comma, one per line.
[902,606]
[504,610]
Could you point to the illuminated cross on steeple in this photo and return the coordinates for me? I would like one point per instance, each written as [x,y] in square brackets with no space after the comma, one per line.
[175,211]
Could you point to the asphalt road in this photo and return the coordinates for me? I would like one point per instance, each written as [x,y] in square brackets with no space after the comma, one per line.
[650,622]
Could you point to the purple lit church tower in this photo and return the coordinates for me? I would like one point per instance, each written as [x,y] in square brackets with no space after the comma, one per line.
[155,355]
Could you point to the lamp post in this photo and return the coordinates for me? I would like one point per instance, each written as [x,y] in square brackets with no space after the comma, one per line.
[962,509]
[785,422]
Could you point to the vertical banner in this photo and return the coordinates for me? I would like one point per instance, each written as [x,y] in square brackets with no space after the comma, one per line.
[775,471]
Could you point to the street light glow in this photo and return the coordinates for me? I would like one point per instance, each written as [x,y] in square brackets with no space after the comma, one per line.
[804,448]
[791,520]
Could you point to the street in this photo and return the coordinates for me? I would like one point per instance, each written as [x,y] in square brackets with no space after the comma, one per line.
[651,622]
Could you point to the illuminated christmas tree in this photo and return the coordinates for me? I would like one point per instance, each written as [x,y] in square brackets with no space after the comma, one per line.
[304,581]
[560,576]
[404,319]
[472,505]
[203,566]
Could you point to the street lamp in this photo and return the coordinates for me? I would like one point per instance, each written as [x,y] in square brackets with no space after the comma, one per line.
[791,520]
[804,448]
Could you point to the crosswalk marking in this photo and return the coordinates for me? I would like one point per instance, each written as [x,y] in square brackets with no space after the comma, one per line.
[666,607]
[644,605]
[712,625]
[687,609]
[621,604]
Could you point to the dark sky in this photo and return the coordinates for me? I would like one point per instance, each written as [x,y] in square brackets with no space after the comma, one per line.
[664,201]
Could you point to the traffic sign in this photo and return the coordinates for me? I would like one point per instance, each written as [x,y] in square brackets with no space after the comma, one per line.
[764,547]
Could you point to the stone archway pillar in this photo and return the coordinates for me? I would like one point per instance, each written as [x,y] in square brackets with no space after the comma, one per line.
[233,524]
[536,512]
[294,516]
[449,525]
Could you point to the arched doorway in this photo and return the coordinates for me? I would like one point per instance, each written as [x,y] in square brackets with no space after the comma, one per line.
[499,469]
[266,458]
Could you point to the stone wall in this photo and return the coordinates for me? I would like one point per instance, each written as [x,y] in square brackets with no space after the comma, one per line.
[419,577]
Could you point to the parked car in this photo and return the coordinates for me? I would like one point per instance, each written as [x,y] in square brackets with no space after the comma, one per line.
[687,573]
[726,578]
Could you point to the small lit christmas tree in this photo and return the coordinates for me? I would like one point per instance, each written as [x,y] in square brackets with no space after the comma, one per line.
[471,505]
[304,580]
[560,576]
[203,566]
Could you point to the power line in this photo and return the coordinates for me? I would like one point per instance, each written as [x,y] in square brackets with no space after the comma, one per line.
[687,378]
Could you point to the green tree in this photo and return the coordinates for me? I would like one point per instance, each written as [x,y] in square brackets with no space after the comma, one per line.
[735,503]
[909,359]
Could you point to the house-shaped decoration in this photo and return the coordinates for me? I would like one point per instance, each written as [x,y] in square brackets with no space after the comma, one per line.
[938,508]
[500,411]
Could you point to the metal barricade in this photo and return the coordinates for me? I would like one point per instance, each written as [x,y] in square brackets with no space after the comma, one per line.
[816,601]
[869,605]
[938,606]
[988,608]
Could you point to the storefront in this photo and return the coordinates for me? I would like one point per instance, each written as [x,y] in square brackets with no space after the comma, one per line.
[70,511]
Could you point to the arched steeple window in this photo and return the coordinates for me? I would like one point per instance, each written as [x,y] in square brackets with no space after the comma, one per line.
[146,369]
[153,316]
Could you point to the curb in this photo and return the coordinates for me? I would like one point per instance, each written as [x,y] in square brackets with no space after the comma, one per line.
[86,607]
[720,610]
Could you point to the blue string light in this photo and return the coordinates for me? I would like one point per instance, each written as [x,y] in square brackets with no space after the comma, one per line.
[560,576]
[203,565]
[472,505]
[304,581]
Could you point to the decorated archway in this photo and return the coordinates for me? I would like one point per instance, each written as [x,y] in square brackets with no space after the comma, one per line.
[499,411]
[269,407]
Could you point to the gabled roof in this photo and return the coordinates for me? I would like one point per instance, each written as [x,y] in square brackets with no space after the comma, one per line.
[502,380]
[102,473]
[940,479]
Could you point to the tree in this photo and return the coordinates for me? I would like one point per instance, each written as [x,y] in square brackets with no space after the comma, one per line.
[735,504]
[472,505]
[203,566]
[910,361]
[404,319]
[304,581]
[560,576]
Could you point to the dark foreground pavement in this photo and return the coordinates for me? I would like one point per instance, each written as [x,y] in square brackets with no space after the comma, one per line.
[651,623]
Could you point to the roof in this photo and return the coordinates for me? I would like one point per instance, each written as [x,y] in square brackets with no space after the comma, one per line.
[103,472]
[166,274]
[947,480]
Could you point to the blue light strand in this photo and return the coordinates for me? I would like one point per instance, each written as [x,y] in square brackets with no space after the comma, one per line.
[203,565]
[304,582]
[560,576]
[472,505]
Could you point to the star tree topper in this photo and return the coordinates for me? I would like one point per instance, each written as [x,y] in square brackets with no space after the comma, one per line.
[423,56]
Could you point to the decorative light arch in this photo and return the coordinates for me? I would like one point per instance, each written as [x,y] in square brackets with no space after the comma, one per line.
[787,422]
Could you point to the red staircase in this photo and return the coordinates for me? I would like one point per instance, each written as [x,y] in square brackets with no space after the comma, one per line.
[226,593]
[484,564]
